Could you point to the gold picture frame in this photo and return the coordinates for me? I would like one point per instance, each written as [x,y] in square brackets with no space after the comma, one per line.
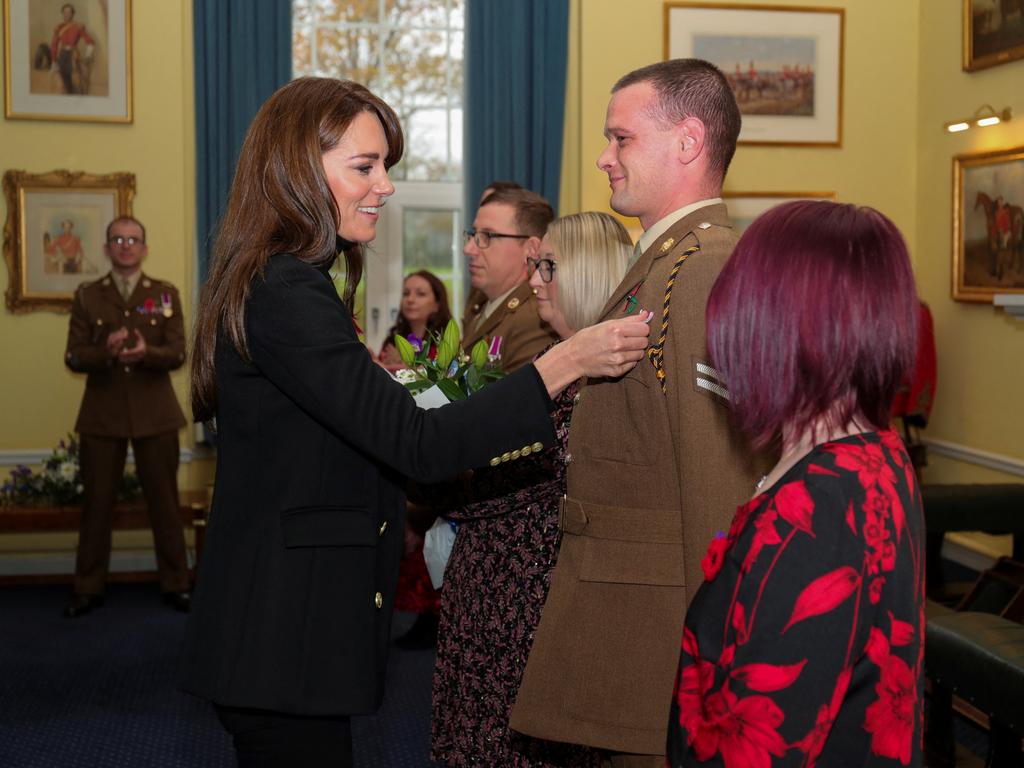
[784,63]
[744,207]
[68,61]
[55,231]
[990,38]
[988,224]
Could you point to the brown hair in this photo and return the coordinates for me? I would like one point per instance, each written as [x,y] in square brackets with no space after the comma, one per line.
[694,88]
[497,186]
[533,212]
[280,202]
[437,321]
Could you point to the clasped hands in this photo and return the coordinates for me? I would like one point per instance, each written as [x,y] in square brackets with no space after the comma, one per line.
[116,346]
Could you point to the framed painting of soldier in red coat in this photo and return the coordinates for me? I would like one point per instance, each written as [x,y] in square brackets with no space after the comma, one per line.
[988,224]
[55,231]
[68,60]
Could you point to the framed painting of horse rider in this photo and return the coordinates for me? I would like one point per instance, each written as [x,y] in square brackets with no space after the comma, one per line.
[68,60]
[993,33]
[55,231]
[988,224]
[784,64]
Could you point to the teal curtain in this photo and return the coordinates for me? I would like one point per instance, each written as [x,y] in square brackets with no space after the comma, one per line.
[243,53]
[516,61]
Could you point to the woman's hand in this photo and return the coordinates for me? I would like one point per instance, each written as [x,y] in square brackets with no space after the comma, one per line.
[608,349]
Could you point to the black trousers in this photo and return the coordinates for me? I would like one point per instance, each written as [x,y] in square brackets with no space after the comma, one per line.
[277,740]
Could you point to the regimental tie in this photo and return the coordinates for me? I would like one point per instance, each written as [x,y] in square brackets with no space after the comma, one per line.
[656,352]
[126,288]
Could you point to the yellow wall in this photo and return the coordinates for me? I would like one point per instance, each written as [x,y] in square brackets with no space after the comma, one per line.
[981,349]
[40,396]
[902,80]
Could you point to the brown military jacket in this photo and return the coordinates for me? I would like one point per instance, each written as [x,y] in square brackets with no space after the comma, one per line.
[652,476]
[127,400]
[524,335]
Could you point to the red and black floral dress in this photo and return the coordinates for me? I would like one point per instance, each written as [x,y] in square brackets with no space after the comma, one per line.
[804,645]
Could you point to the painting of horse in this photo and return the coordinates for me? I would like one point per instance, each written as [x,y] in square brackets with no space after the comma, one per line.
[989,225]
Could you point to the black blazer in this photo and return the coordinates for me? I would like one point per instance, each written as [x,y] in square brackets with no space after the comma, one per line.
[292,610]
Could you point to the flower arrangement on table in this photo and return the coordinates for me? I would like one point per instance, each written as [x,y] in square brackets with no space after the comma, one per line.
[438,360]
[59,483]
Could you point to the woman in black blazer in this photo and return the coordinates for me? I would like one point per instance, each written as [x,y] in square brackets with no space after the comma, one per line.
[291,619]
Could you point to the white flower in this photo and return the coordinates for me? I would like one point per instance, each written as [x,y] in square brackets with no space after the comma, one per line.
[67,471]
[405,375]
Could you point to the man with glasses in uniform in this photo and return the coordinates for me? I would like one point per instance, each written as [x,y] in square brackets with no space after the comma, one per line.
[509,225]
[127,334]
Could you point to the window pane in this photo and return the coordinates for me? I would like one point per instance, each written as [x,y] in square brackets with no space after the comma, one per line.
[333,11]
[350,54]
[426,146]
[427,243]
[419,13]
[302,49]
[415,67]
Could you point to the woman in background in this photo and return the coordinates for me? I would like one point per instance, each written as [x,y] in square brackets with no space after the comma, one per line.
[424,310]
[498,575]
[804,645]
[289,631]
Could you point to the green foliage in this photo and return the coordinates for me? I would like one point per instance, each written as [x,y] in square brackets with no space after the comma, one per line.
[440,361]
[59,483]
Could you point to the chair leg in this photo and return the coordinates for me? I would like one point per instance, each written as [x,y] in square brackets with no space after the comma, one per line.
[939,744]
[1004,750]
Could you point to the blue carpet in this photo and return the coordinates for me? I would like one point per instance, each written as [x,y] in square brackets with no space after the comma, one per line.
[99,691]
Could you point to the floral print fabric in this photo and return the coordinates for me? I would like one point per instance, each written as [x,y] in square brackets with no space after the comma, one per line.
[804,645]
[495,585]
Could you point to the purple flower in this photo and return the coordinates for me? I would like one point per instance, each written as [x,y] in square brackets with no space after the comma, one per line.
[416,341]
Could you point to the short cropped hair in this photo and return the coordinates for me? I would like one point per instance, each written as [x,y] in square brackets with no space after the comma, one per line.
[533,212]
[591,250]
[132,219]
[814,316]
[498,186]
[694,88]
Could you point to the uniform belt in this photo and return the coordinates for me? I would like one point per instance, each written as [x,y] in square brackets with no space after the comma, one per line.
[624,524]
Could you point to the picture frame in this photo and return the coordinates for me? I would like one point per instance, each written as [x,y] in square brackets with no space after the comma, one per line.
[784,63]
[744,207]
[991,35]
[988,224]
[55,231]
[61,65]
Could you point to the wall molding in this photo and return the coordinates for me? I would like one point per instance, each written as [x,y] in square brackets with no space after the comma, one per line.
[996,461]
[35,456]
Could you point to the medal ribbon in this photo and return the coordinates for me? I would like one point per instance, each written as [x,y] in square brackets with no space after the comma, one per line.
[656,352]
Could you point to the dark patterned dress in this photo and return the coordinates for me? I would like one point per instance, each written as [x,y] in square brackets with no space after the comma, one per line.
[804,646]
[494,589]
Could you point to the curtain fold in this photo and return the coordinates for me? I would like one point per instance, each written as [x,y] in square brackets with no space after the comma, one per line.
[515,69]
[243,53]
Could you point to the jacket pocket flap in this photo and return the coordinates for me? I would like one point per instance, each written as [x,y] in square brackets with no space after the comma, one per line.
[328,527]
[632,562]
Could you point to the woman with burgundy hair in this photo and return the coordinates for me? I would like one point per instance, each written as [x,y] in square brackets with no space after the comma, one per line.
[804,644]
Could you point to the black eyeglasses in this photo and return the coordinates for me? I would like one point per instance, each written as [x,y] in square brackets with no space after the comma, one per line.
[483,237]
[129,240]
[546,267]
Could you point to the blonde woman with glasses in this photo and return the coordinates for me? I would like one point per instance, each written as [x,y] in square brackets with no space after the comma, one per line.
[497,578]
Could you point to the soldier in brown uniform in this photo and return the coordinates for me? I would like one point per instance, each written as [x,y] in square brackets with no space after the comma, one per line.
[508,228]
[654,467]
[127,333]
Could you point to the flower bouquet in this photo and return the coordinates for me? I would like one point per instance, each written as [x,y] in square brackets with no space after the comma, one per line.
[440,361]
[59,483]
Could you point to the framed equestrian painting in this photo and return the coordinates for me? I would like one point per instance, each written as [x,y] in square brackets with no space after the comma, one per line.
[68,61]
[784,63]
[993,33]
[55,231]
[988,224]
[744,207]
